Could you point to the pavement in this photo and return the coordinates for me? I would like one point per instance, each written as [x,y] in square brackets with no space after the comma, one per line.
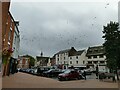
[23,80]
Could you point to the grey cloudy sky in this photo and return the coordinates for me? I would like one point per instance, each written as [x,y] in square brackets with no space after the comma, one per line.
[50,27]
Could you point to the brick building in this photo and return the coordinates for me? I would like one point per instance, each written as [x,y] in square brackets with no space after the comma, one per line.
[8,30]
[43,61]
[23,62]
[53,61]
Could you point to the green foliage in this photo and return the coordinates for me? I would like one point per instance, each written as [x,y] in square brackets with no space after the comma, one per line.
[112,44]
[5,58]
[32,60]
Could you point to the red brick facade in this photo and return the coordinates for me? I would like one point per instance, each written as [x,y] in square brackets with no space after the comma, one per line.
[8,27]
[23,62]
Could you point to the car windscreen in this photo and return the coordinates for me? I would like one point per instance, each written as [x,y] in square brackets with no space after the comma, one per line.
[67,71]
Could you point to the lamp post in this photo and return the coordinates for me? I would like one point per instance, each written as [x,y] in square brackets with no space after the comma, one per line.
[97,71]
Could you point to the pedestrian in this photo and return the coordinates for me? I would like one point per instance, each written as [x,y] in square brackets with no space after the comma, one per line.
[84,73]
[113,77]
[97,72]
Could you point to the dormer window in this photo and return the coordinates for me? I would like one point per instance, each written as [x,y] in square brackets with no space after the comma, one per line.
[96,50]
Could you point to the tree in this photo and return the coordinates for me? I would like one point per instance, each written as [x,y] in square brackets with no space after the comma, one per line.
[32,60]
[112,45]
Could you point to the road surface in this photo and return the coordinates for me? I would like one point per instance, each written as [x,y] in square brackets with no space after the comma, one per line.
[23,80]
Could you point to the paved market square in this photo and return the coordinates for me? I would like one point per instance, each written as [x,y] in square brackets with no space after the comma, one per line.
[23,80]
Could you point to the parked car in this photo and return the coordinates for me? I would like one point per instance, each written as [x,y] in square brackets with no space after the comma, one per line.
[18,69]
[41,70]
[22,70]
[52,73]
[88,71]
[69,74]
[28,70]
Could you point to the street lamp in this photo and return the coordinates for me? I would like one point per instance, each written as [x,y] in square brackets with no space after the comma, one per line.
[97,71]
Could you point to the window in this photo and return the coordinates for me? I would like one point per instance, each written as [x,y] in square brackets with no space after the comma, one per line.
[9,36]
[83,62]
[76,57]
[64,58]
[102,62]
[89,57]
[95,62]
[15,40]
[70,62]
[8,45]
[64,62]
[20,61]
[89,62]
[76,62]
[4,39]
[96,50]
[101,56]
[11,28]
[90,51]
[26,61]
[58,59]
[66,53]
[94,56]
[7,23]
[70,57]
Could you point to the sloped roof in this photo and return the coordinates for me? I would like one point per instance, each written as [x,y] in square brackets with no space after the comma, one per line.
[41,57]
[66,50]
[73,54]
[79,52]
[96,50]
[63,51]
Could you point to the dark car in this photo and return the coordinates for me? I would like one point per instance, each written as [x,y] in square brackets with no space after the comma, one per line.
[69,74]
[41,70]
[22,70]
[52,73]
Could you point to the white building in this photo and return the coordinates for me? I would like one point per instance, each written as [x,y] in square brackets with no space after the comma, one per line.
[16,41]
[78,59]
[96,56]
[71,57]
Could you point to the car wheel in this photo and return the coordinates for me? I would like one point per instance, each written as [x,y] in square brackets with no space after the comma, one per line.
[66,78]
[60,79]
[79,78]
[48,75]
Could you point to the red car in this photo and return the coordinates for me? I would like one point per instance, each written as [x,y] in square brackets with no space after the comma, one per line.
[69,74]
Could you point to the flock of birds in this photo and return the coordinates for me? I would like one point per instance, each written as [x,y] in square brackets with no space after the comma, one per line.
[60,36]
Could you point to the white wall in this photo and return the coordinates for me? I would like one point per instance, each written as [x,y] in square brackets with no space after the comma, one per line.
[101,68]
[16,43]
[61,58]
[80,60]
[97,59]
[67,59]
